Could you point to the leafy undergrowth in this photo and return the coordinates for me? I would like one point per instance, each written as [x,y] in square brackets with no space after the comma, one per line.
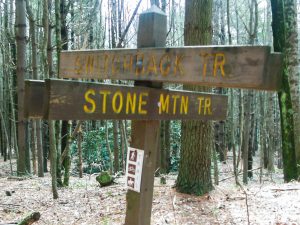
[84,202]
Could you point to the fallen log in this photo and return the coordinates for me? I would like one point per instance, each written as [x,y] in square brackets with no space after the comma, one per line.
[30,219]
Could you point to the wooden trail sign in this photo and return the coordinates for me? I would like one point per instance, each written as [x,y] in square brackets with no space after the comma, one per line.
[74,100]
[251,67]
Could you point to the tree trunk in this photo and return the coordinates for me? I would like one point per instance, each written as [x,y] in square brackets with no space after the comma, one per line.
[165,147]
[53,158]
[280,26]
[21,65]
[116,146]
[125,144]
[108,147]
[66,161]
[232,137]
[293,69]
[196,136]
[51,124]
[62,42]
[270,128]
[246,136]
[37,126]
[79,141]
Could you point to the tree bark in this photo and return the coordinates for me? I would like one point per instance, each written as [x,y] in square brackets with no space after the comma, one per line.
[79,141]
[21,65]
[246,136]
[53,158]
[196,136]
[293,61]
[116,147]
[37,125]
[280,26]
[30,219]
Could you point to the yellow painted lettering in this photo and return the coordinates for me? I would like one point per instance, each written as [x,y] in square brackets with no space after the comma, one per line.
[152,66]
[127,65]
[106,60]
[117,102]
[200,104]
[105,93]
[115,64]
[184,105]
[92,107]
[165,66]
[78,65]
[207,106]
[89,66]
[178,66]
[175,97]
[142,102]
[97,65]
[164,103]
[219,63]
[204,64]
[130,103]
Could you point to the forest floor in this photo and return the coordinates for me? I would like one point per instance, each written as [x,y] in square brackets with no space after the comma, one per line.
[84,202]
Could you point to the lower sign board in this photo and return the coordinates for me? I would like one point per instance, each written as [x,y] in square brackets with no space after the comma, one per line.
[73,100]
[135,158]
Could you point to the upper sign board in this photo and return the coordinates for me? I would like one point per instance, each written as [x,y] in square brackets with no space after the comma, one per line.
[251,67]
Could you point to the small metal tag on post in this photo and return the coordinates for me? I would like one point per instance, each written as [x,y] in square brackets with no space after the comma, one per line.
[152,32]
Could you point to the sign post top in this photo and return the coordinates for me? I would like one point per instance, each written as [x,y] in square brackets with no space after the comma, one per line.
[152,30]
[153,9]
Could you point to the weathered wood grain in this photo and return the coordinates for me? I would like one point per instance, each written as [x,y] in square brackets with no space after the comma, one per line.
[34,99]
[73,100]
[220,66]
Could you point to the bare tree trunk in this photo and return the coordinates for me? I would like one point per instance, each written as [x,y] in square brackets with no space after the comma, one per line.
[281,34]
[124,143]
[116,147]
[246,134]
[232,136]
[270,135]
[79,141]
[37,126]
[108,147]
[293,59]
[53,157]
[67,159]
[52,138]
[216,171]
[241,125]
[21,65]
[228,22]
[196,136]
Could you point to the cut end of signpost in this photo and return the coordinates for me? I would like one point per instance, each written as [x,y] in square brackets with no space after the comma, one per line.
[154,9]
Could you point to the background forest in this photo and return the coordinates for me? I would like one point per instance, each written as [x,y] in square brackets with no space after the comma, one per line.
[259,124]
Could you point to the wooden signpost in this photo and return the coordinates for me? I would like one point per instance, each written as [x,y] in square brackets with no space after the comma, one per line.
[151,64]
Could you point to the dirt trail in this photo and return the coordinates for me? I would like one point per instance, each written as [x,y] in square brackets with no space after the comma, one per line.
[84,202]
